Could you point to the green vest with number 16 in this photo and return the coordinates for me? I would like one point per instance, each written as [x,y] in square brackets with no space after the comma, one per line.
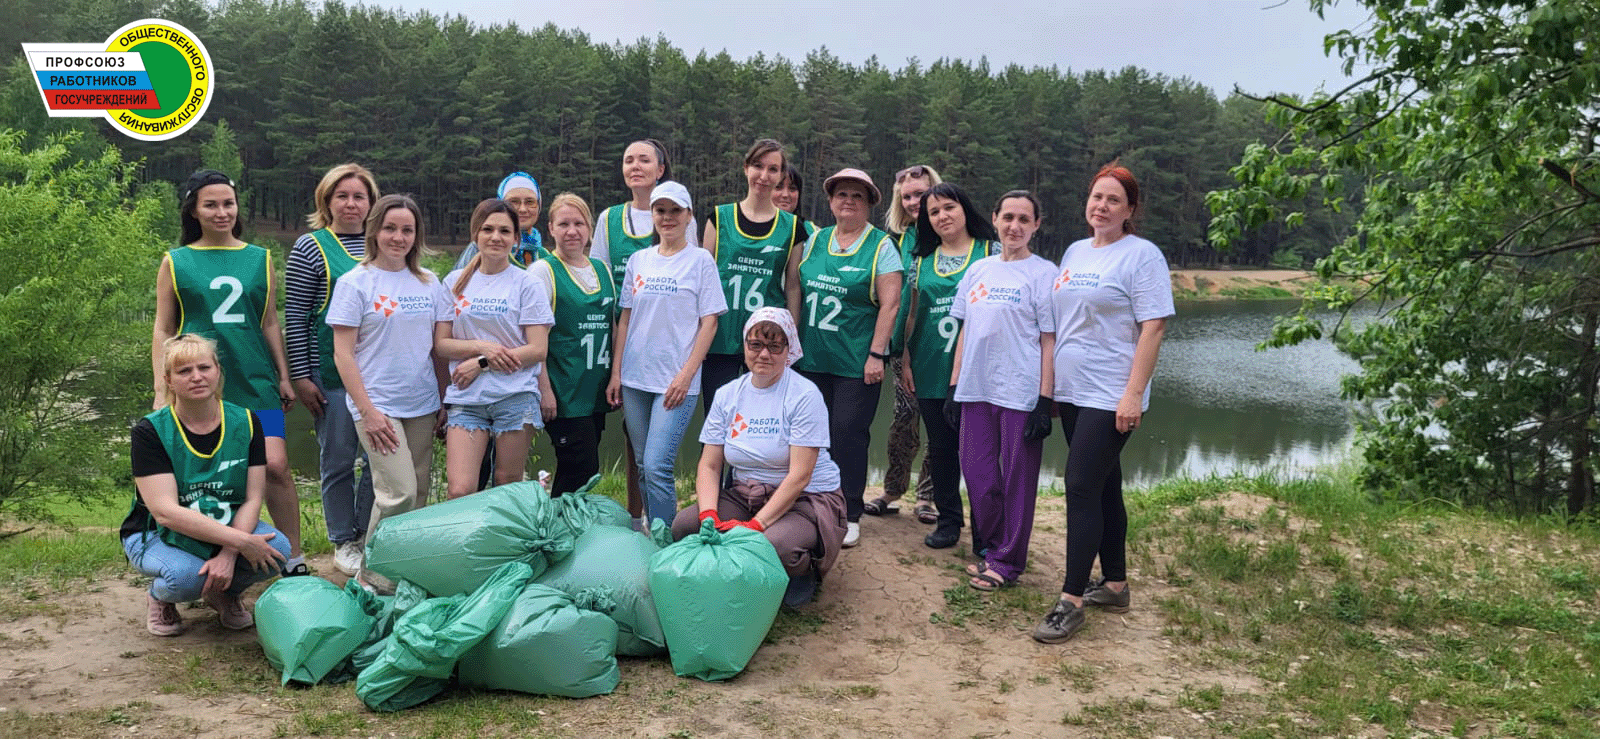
[222,295]
[336,260]
[579,360]
[752,273]
[840,307]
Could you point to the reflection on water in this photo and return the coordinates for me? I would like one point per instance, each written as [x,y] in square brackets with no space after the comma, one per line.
[1217,406]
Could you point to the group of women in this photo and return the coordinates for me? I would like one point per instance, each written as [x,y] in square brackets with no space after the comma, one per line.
[785,332]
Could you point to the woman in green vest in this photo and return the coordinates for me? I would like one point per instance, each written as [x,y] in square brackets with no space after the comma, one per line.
[199,470]
[905,201]
[850,282]
[952,235]
[221,288]
[316,262]
[572,387]
[625,228]
[752,242]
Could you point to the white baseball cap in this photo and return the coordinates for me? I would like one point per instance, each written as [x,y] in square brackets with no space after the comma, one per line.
[673,191]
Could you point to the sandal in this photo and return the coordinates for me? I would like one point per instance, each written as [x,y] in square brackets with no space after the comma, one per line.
[975,569]
[926,513]
[880,506]
[986,583]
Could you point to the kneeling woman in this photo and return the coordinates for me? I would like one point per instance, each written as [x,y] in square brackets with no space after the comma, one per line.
[200,468]
[771,427]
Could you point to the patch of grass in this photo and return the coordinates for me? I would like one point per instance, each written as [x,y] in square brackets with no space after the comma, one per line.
[1254,292]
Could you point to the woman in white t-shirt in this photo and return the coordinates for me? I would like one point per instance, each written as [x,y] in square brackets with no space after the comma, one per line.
[771,427]
[670,297]
[382,313]
[1111,300]
[496,346]
[1003,376]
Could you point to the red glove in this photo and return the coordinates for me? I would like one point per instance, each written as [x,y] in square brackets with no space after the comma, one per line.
[712,514]
[754,523]
[726,525]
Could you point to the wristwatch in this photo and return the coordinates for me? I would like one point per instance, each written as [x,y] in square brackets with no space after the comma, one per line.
[883,357]
[483,362]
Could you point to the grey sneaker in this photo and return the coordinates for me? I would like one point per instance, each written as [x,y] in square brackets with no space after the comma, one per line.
[230,612]
[163,618]
[1099,595]
[1060,624]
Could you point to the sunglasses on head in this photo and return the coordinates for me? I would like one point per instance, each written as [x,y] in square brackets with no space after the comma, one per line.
[916,170]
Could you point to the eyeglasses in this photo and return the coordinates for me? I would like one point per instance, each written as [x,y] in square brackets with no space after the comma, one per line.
[773,347]
[916,170]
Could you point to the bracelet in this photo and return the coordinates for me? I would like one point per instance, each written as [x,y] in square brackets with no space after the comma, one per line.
[883,357]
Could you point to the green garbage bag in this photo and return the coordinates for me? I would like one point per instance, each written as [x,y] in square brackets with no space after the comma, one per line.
[385,610]
[617,561]
[717,594]
[452,547]
[548,644]
[419,656]
[582,508]
[308,626]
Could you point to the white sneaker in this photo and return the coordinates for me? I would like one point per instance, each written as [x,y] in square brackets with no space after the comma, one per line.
[348,557]
[852,534]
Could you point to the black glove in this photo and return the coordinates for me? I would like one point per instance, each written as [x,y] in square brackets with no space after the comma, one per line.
[1037,427]
[952,410]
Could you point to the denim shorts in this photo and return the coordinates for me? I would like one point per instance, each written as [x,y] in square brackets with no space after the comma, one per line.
[510,413]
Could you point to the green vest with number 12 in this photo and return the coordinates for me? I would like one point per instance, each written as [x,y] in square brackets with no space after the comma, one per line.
[840,307]
[222,295]
[214,484]
[752,273]
[336,260]
[579,360]
[933,330]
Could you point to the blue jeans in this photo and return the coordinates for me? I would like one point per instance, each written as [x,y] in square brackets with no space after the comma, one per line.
[346,503]
[655,433]
[177,573]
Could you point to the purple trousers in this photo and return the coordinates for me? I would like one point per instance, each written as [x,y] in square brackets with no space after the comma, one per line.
[1002,474]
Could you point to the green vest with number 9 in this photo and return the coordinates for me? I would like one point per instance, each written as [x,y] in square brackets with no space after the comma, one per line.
[222,295]
[932,341]
[840,307]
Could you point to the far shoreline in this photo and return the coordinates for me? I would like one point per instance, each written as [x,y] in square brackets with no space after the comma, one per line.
[1240,284]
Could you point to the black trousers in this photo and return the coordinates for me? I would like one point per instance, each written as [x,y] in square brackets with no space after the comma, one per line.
[577,444]
[944,461]
[851,407]
[1097,519]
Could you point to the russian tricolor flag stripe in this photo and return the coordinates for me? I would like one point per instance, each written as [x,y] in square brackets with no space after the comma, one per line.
[85,77]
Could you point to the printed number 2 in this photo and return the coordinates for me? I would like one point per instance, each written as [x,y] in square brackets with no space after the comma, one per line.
[829,302]
[753,300]
[600,358]
[948,331]
[223,313]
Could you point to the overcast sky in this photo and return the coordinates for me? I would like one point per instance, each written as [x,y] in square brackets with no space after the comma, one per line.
[1256,44]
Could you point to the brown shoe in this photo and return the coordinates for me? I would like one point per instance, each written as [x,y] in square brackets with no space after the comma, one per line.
[230,612]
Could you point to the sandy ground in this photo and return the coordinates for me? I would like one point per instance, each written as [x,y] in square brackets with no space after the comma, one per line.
[1211,282]
[872,659]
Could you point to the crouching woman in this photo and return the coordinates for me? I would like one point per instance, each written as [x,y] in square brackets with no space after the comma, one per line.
[771,427]
[200,469]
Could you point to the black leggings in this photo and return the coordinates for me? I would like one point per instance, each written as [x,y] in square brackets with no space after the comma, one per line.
[577,445]
[851,405]
[944,461]
[1097,520]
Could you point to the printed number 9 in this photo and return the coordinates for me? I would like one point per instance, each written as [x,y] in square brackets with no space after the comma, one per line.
[948,330]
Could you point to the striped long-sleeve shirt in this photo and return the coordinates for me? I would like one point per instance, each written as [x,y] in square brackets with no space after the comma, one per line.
[305,289]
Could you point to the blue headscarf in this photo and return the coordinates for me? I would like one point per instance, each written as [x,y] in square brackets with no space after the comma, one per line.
[532,242]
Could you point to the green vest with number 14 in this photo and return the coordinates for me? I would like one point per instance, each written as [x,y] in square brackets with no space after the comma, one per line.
[752,273]
[579,360]
[336,260]
[840,307]
[222,295]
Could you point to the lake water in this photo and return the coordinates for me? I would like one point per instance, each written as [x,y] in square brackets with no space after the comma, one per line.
[1217,406]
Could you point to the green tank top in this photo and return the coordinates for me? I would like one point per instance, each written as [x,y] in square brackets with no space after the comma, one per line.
[933,330]
[579,360]
[840,308]
[222,295]
[620,243]
[336,260]
[752,273]
[213,484]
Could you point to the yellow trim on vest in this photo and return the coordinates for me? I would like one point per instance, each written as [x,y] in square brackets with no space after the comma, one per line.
[222,423]
[626,222]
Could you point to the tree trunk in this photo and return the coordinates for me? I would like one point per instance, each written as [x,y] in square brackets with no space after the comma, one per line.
[1580,479]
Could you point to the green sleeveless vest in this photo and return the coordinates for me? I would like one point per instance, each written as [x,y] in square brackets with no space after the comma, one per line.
[752,273]
[579,360]
[336,260]
[222,295]
[213,484]
[621,243]
[840,310]
[932,341]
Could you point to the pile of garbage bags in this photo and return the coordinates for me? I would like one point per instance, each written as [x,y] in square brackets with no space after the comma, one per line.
[510,589]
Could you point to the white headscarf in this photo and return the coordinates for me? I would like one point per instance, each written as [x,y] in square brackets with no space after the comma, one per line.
[785,321]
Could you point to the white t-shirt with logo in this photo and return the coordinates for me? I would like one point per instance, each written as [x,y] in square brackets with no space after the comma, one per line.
[496,308]
[1006,306]
[756,426]
[668,297]
[393,313]
[1100,296]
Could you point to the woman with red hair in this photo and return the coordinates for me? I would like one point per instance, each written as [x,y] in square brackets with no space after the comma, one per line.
[1111,302]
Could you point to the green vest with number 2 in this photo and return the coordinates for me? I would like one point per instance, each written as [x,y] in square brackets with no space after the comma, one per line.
[222,295]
